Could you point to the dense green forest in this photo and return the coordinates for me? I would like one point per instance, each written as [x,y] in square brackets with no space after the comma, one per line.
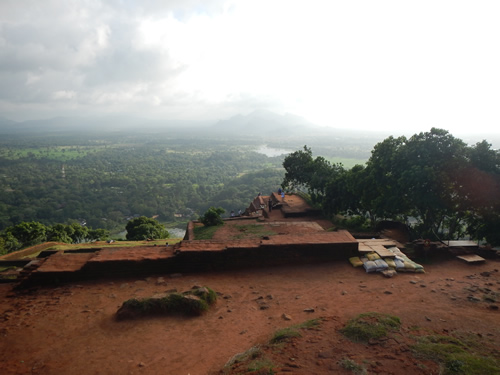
[102,181]
[54,178]
[434,182]
[81,186]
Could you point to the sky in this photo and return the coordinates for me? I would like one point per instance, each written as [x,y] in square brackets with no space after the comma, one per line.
[358,64]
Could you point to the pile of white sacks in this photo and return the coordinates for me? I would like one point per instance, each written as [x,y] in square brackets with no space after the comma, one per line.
[372,262]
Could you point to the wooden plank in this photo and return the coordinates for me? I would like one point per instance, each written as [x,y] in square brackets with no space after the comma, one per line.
[364,249]
[471,258]
[378,242]
[462,244]
[383,252]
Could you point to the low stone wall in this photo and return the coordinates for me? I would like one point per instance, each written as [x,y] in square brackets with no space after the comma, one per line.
[229,258]
[189,231]
[263,256]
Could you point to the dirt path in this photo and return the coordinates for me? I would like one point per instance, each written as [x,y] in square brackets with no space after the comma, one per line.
[71,329]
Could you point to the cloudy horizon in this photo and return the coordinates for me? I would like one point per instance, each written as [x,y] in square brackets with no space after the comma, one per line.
[385,65]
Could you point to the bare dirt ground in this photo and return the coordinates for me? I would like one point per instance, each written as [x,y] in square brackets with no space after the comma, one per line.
[71,329]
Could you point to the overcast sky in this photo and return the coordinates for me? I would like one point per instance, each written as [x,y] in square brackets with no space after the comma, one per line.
[386,65]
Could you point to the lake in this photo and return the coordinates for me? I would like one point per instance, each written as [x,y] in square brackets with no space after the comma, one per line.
[270,151]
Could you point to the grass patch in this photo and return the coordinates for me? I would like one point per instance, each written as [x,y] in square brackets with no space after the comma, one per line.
[253,360]
[205,233]
[193,302]
[370,326]
[251,354]
[456,357]
[294,331]
[350,365]
[252,231]
[262,365]
[284,335]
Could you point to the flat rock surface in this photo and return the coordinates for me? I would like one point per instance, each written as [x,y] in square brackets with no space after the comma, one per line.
[60,262]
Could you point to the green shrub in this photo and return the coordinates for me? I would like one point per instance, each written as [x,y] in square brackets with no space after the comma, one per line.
[212,217]
[193,302]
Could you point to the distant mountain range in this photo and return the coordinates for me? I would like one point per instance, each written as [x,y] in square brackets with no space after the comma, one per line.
[259,124]
[263,122]
[115,123]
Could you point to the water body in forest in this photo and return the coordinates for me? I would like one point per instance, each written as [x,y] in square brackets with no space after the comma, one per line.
[271,152]
[174,233]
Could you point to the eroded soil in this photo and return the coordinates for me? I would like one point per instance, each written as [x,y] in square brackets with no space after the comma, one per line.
[71,329]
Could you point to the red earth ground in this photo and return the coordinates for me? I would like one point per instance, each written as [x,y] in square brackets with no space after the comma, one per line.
[71,329]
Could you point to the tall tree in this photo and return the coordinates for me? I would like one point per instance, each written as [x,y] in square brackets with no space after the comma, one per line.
[143,228]
[298,169]
[29,233]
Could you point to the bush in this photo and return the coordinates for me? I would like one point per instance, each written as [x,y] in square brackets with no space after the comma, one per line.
[143,228]
[212,217]
[193,302]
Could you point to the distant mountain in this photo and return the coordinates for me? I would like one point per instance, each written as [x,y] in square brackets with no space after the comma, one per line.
[111,123]
[6,123]
[262,123]
[71,124]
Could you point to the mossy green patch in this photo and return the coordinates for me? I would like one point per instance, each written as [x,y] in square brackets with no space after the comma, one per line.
[193,302]
[370,326]
[205,233]
[253,360]
[350,365]
[455,356]
[293,331]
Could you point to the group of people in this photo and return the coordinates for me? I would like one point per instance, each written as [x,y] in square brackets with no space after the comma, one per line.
[270,201]
[233,214]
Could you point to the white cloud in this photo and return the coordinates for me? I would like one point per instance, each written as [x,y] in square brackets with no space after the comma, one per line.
[367,64]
